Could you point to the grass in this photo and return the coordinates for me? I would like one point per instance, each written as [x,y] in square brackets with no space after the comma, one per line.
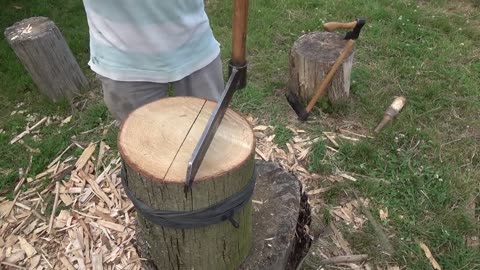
[424,50]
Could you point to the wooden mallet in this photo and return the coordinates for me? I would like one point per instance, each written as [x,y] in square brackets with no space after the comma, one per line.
[351,36]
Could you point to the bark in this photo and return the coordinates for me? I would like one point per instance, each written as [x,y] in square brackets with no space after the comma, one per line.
[156,142]
[311,57]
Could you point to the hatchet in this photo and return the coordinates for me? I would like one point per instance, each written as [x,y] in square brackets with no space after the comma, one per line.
[351,36]
[237,70]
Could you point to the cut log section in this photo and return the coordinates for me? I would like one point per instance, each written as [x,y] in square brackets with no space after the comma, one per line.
[156,142]
[311,58]
[44,53]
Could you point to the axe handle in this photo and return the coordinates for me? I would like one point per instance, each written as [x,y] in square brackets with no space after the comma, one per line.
[239,32]
[332,26]
[330,74]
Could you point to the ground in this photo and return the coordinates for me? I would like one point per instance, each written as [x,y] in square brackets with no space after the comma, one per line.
[420,176]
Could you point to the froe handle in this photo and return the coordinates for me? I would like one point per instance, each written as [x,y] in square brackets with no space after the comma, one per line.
[238,58]
[331,73]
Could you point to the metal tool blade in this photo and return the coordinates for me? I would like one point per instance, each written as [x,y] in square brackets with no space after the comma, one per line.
[211,128]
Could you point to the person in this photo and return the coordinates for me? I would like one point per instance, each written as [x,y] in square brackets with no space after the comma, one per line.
[141,49]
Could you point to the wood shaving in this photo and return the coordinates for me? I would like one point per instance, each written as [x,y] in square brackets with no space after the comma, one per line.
[94,233]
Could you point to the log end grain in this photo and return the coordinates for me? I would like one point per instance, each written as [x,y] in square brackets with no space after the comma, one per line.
[158,139]
[323,47]
[29,28]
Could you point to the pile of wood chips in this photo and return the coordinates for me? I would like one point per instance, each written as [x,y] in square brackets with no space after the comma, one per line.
[83,219]
[93,227]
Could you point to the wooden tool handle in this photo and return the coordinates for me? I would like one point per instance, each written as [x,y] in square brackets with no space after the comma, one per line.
[332,26]
[239,32]
[330,74]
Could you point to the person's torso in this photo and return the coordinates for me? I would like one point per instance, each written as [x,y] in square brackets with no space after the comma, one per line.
[148,34]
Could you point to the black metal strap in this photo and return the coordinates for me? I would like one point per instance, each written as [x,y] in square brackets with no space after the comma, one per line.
[217,213]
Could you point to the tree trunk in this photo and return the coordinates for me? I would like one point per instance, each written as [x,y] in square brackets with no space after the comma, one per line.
[311,58]
[44,53]
[156,142]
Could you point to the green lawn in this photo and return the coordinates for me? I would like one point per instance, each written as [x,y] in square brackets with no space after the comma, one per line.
[428,51]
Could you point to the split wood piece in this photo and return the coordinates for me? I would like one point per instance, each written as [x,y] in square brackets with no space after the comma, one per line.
[24,177]
[156,141]
[54,209]
[85,157]
[429,256]
[45,54]
[345,259]
[311,58]
[28,130]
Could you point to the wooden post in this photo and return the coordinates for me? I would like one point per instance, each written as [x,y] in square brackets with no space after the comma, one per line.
[44,53]
[311,57]
[156,142]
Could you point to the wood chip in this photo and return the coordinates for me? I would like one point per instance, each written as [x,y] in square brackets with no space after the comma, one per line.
[383,214]
[318,191]
[348,177]
[66,263]
[346,259]
[34,261]
[430,257]
[85,156]
[355,134]
[340,241]
[29,249]
[98,191]
[261,154]
[66,120]
[24,177]
[331,139]
[55,203]
[16,256]
[348,138]
[12,265]
[97,261]
[111,225]
[28,130]
[57,159]
[66,199]
[260,128]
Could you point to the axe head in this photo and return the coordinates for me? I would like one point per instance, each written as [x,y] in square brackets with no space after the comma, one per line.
[355,33]
[297,106]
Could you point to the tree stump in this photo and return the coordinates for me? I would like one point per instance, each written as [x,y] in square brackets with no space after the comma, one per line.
[44,53]
[156,142]
[311,58]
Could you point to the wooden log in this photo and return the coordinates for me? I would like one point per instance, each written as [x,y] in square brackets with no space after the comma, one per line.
[156,142]
[281,218]
[45,54]
[311,58]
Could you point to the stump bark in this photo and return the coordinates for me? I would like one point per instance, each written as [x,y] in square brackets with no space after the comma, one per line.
[311,58]
[156,142]
[45,54]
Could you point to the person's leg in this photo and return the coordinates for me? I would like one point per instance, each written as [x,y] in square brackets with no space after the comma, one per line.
[122,97]
[206,83]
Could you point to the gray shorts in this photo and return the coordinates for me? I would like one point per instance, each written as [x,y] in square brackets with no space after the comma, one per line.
[122,97]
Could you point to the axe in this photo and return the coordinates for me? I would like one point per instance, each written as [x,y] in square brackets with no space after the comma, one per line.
[351,36]
[237,73]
